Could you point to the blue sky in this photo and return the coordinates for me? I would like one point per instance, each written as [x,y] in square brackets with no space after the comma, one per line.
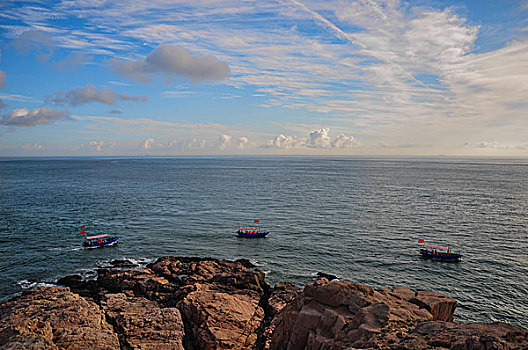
[346,77]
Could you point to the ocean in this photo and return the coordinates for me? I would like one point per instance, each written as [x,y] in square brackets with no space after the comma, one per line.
[357,218]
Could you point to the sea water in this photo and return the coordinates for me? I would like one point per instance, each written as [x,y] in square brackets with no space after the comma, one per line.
[357,218]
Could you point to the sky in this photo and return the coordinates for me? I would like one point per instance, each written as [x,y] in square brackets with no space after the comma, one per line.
[242,77]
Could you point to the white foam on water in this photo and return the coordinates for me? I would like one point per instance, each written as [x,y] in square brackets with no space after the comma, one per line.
[27,284]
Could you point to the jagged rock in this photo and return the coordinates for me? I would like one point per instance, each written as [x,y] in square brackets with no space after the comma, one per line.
[341,315]
[142,324]
[439,305]
[465,336]
[280,296]
[216,304]
[142,282]
[220,320]
[223,304]
[54,318]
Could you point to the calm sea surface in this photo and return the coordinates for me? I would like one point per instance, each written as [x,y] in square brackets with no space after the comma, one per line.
[357,218]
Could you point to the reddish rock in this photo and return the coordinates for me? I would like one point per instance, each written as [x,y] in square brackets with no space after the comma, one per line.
[220,300]
[222,320]
[142,324]
[341,315]
[280,296]
[139,282]
[217,304]
[465,336]
[54,318]
[439,305]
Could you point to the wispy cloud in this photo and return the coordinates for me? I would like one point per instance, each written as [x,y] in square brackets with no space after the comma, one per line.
[389,69]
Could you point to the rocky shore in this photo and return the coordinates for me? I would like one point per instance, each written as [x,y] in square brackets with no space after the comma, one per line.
[200,303]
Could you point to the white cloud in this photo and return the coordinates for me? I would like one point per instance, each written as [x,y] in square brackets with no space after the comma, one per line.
[148,143]
[385,68]
[224,141]
[320,139]
[26,117]
[172,60]
[344,141]
[188,144]
[317,139]
[285,142]
[242,142]
[32,146]
[99,145]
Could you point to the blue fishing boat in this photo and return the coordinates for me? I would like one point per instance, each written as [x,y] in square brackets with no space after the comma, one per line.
[97,241]
[438,253]
[251,231]
[100,241]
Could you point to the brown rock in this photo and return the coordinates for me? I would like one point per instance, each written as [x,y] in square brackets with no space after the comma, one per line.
[218,304]
[54,318]
[220,320]
[282,294]
[439,305]
[468,336]
[342,314]
[140,282]
[142,324]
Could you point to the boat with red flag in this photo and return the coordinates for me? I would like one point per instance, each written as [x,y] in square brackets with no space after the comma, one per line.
[439,253]
[251,231]
[97,241]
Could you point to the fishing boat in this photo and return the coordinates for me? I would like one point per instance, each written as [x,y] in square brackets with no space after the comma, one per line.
[251,231]
[100,241]
[439,253]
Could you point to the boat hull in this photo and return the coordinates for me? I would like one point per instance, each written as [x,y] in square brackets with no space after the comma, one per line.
[252,235]
[105,243]
[445,257]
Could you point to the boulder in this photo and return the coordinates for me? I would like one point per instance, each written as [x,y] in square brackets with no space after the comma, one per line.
[465,336]
[142,324]
[220,320]
[439,305]
[342,314]
[54,318]
[196,303]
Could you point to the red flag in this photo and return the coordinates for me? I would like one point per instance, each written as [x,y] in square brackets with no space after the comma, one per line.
[82,233]
[83,227]
[421,241]
[256,221]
